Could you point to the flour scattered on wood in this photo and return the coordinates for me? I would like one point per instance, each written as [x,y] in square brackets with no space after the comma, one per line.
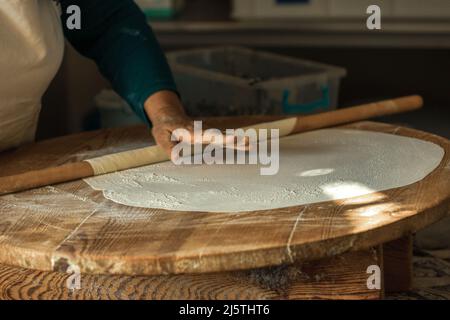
[324,165]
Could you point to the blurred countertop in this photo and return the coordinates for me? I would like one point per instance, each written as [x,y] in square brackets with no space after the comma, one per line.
[306,32]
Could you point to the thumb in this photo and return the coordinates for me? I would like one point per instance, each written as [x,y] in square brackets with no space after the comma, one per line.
[164,139]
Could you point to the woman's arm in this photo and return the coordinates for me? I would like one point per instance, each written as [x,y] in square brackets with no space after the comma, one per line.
[116,35]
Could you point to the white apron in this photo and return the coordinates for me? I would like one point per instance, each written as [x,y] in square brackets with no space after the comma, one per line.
[31,50]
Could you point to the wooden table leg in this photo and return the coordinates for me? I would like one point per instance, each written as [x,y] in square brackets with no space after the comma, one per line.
[354,276]
[397,260]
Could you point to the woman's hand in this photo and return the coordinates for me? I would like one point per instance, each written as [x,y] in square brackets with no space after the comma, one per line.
[167,115]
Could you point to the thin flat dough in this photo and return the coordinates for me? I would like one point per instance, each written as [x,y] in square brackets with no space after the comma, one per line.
[324,165]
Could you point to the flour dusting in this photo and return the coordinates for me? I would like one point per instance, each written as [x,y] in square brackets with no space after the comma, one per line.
[324,165]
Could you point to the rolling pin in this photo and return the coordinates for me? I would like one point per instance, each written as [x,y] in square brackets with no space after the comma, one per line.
[154,154]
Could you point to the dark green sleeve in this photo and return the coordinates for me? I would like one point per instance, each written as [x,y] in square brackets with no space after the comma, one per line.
[116,35]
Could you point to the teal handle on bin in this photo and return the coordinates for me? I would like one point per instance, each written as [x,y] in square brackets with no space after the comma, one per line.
[322,103]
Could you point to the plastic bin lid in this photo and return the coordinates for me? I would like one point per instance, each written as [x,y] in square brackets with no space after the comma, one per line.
[110,100]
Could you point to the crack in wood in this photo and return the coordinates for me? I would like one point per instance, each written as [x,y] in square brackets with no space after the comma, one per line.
[291,235]
[55,261]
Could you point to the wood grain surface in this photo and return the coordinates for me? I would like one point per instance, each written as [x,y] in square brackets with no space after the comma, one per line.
[337,278]
[52,228]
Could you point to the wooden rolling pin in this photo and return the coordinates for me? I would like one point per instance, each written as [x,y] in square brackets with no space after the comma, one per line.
[154,154]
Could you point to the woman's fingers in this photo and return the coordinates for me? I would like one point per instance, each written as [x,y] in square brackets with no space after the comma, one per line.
[163,138]
[212,136]
[169,135]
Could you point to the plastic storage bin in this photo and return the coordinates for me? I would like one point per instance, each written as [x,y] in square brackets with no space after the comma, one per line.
[254,9]
[160,9]
[237,81]
[114,111]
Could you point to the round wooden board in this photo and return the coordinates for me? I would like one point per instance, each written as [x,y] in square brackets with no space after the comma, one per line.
[52,228]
